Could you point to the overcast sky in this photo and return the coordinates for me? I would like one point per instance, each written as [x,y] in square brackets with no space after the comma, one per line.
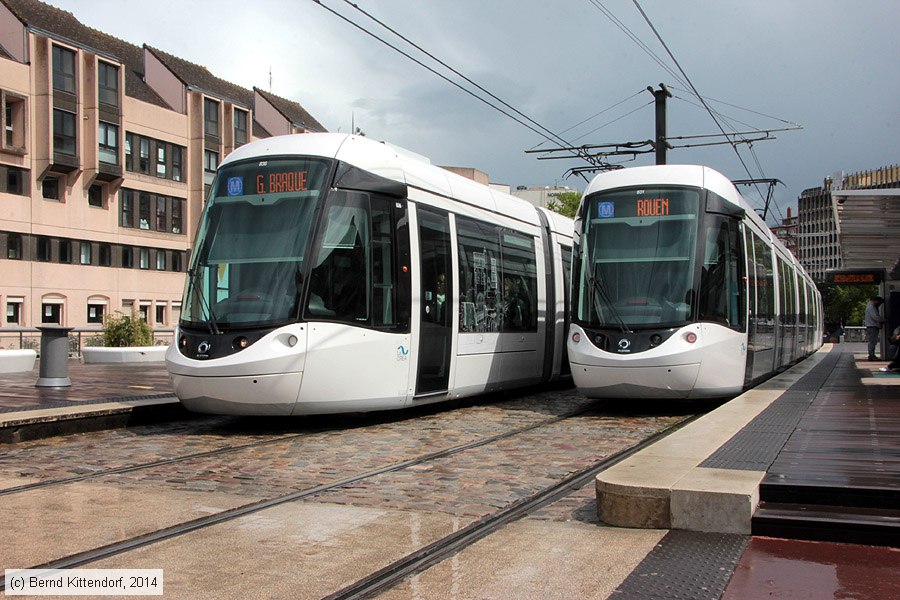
[829,65]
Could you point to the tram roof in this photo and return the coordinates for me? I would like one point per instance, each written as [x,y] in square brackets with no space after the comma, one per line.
[394,163]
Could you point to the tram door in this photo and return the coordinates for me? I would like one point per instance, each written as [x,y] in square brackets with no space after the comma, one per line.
[437,303]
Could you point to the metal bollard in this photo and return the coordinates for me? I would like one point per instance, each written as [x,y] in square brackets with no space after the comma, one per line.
[54,371]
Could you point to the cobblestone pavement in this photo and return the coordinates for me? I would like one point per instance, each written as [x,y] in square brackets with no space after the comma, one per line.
[311,452]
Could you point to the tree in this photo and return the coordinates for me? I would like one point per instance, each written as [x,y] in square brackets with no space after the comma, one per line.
[846,303]
[565,204]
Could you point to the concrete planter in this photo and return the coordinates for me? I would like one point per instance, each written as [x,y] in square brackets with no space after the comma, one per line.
[134,354]
[17,361]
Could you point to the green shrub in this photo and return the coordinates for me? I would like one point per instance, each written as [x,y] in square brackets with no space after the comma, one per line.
[121,330]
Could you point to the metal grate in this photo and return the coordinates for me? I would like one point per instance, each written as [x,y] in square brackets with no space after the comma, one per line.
[756,446]
[685,564]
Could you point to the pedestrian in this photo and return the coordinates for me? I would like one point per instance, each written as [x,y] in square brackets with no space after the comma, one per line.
[894,353]
[873,324]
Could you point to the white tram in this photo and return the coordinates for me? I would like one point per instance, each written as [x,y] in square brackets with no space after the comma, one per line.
[332,273]
[681,290]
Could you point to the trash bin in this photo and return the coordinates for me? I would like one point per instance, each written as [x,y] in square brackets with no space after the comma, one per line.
[54,369]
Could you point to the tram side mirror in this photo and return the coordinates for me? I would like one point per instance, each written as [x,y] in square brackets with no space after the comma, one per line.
[718,205]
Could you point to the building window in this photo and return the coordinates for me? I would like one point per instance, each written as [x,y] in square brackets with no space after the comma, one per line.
[126,199]
[65,251]
[85,253]
[144,164]
[176,163]
[160,314]
[63,132]
[240,127]
[51,313]
[161,161]
[145,258]
[157,157]
[95,312]
[210,164]
[50,188]
[14,246]
[165,213]
[95,196]
[63,69]
[15,181]
[13,121]
[14,312]
[108,83]
[211,117]
[144,211]
[176,262]
[105,257]
[129,143]
[177,207]
[127,257]
[108,136]
[160,260]
[43,249]
[161,213]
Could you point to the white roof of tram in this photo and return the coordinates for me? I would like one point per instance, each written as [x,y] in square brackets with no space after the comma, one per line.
[392,162]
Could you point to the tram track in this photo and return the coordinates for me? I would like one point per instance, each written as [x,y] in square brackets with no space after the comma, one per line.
[409,565]
[430,555]
[140,541]
[99,473]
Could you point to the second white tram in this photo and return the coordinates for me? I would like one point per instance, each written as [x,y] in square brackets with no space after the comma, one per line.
[332,273]
[681,290]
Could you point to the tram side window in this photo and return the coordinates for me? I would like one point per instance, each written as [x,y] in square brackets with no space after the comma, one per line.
[519,270]
[390,248]
[479,276]
[721,295]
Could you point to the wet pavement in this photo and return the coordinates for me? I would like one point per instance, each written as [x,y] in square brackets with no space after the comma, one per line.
[312,547]
[777,568]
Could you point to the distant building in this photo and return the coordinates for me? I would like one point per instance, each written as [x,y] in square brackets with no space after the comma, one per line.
[851,222]
[787,231]
[479,176]
[107,152]
[540,196]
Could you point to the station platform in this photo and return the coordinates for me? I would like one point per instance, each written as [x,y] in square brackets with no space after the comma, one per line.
[789,490]
[101,396]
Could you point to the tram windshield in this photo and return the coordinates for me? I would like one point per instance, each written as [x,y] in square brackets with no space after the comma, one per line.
[253,240]
[636,267]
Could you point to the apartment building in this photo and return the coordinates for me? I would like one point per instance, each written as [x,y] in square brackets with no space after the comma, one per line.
[850,221]
[107,153]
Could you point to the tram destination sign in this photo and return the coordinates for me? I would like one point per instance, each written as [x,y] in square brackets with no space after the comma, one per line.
[271,177]
[647,203]
[855,277]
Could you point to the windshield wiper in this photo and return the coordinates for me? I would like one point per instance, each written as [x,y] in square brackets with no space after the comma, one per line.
[197,287]
[600,291]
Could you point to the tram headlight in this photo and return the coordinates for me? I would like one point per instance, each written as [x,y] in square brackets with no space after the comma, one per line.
[182,341]
[240,343]
[655,339]
[690,337]
[292,341]
[576,337]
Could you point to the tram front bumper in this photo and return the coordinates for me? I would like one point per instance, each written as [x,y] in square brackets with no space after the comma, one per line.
[674,381]
[244,395]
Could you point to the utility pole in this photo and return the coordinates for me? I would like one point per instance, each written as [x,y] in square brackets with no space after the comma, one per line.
[661,144]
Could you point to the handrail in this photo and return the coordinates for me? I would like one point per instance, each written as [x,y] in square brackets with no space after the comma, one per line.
[24,338]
